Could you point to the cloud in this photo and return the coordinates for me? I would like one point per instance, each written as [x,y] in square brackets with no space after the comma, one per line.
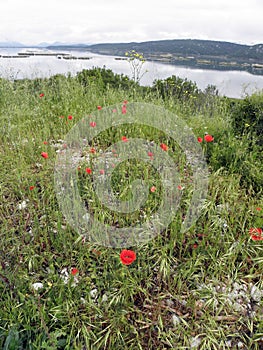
[121,21]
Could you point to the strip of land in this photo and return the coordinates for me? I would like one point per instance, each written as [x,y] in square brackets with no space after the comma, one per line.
[194,53]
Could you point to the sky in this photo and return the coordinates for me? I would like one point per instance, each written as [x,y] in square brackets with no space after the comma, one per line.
[101,21]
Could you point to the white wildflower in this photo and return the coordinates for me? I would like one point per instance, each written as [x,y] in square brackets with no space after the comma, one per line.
[37,285]
[94,293]
[22,205]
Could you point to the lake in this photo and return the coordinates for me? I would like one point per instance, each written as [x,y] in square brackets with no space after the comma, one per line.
[229,83]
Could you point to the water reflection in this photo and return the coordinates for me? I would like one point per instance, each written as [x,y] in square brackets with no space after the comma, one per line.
[229,83]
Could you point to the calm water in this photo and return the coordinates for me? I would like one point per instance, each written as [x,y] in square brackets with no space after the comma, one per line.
[229,83]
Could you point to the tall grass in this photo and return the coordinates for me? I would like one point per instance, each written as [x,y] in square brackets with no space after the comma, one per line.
[185,277]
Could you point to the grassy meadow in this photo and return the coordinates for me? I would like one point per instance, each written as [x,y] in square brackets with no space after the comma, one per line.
[201,289]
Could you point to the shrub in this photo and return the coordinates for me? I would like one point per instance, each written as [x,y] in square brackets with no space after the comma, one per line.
[106,78]
[176,87]
[247,116]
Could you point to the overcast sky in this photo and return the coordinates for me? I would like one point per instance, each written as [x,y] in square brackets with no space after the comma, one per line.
[86,21]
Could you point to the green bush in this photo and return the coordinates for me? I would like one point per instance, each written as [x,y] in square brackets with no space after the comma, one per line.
[247,116]
[106,78]
[174,86]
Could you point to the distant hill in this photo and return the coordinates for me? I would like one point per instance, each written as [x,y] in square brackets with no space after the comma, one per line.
[188,52]
[7,44]
[187,47]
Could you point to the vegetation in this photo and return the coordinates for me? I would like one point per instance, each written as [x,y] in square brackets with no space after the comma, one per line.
[198,289]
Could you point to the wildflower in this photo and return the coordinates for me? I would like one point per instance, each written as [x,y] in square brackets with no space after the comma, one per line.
[61,116]
[256,234]
[65,276]
[179,187]
[74,271]
[114,110]
[41,95]
[92,124]
[44,155]
[99,107]
[124,139]
[153,189]
[127,256]
[164,147]
[102,171]
[258,208]
[125,102]
[92,150]
[88,171]
[247,125]
[70,117]
[31,188]
[21,206]
[45,142]
[94,293]
[124,109]
[37,285]
[199,139]
[150,154]
[209,138]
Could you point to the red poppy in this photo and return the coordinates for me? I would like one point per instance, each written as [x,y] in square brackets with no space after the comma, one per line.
[125,102]
[209,138]
[31,188]
[99,107]
[150,154]
[179,187]
[127,256]
[124,109]
[199,139]
[92,150]
[45,142]
[153,189]
[164,147]
[124,139]
[256,234]
[70,117]
[92,124]
[258,208]
[41,95]
[74,271]
[44,155]
[88,170]
[102,171]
